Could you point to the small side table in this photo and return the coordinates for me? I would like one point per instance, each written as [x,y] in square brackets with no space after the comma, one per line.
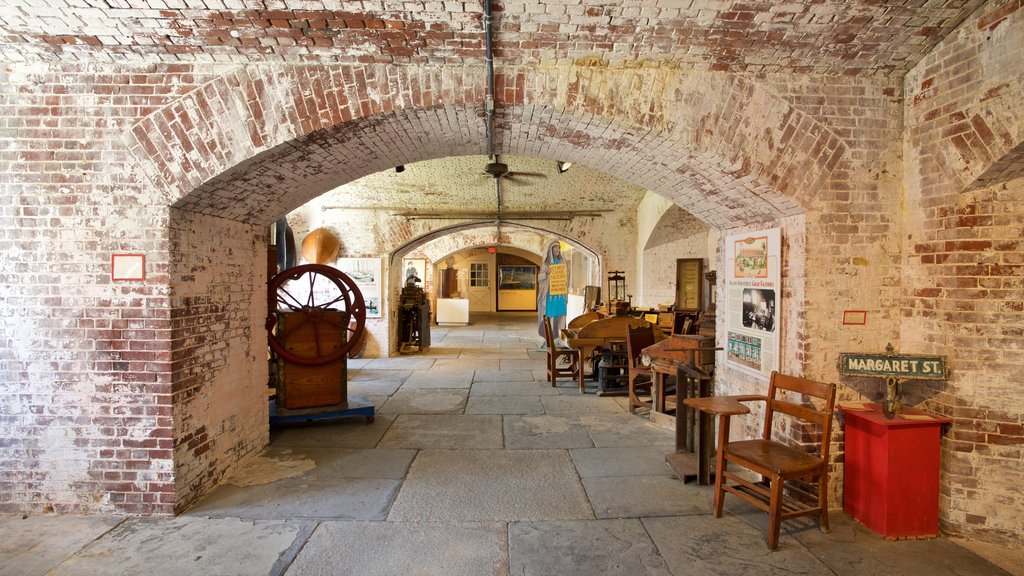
[891,473]
[714,406]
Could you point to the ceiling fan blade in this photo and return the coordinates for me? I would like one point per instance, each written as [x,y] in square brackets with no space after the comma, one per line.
[529,174]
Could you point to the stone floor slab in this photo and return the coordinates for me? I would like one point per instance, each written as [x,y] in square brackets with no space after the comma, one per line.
[473,485]
[337,498]
[464,364]
[850,549]
[587,404]
[708,546]
[626,430]
[421,548]
[36,543]
[545,432]
[452,432]
[504,405]
[175,546]
[401,363]
[438,379]
[503,376]
[605,547]
[375,387]
[525,364]
[512,389]
[378,374]
[627,461]
[440,401]
[329,463]
[643,496]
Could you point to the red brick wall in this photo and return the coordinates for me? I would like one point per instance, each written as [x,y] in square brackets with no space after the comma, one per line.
[85,405]
[219,369]
[964,215]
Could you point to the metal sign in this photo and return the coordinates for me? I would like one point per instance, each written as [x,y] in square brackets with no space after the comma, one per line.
[893,366]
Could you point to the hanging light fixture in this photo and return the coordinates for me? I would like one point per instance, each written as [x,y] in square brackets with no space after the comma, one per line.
[563,167]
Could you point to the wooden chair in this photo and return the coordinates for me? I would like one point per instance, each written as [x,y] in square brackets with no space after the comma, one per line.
[556,354]
[640,376]
[781,466]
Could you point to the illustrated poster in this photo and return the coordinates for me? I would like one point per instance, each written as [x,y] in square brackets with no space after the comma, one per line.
[365,272]
[753,287]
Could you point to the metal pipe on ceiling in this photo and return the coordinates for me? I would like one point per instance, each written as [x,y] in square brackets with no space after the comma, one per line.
[489,100]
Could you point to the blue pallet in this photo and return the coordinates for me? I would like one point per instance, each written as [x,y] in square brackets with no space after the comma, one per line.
[354,409]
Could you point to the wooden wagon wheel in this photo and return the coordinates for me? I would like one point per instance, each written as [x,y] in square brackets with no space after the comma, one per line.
[316,290]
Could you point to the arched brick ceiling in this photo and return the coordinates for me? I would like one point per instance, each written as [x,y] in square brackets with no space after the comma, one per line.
[460,184]
[820,36]
[268,185]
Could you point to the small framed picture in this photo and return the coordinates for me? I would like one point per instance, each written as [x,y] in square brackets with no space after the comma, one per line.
[855,317]
[127,267]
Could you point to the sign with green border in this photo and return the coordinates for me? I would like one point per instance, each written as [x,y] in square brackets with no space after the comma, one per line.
[893,366]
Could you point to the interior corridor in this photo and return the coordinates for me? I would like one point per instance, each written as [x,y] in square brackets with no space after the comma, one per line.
[473,465]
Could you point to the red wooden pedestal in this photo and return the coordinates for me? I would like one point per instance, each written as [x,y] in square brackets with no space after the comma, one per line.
[891,477]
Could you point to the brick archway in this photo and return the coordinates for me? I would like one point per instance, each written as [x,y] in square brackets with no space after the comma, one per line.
[252,145]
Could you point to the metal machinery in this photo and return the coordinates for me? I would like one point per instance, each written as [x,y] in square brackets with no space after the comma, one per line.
[413,319]
[315,316]
[619,302]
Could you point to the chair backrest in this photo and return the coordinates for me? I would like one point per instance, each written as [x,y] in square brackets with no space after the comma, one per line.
[549,339]
[637,339]
[808,414]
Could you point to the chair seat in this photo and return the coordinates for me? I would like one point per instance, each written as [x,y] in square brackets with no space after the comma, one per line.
[778,458]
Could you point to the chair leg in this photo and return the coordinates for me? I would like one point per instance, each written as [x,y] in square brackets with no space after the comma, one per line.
[775,513]
[823,503]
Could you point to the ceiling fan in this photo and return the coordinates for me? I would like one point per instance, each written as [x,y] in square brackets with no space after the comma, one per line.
[498,169]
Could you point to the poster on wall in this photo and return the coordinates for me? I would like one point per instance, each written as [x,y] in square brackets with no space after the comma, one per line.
[416,269]
[365,272]
[753,291]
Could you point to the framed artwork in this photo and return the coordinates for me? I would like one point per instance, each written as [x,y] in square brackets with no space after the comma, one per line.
[414,268]
[366,273]
[753,286]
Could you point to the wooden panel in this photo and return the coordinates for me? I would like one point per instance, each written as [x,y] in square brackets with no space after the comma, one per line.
[313,386]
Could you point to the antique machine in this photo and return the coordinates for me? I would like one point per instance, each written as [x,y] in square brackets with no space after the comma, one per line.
[413,318]
[618,301]
[315,316]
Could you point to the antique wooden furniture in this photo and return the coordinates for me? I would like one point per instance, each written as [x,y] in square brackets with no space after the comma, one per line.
[600,333]
[891,471]
[780,466]
[580,321]
[694,437]
[666,355]
[640,376]
[557,357]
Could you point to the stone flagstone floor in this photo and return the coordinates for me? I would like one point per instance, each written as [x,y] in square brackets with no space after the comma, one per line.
[474,465]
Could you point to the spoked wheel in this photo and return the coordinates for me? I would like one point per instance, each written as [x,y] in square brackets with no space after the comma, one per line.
[327,313]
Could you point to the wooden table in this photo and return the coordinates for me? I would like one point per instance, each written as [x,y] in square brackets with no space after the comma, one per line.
[714,406]
[601,333]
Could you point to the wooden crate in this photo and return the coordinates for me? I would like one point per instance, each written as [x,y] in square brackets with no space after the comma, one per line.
[312,386]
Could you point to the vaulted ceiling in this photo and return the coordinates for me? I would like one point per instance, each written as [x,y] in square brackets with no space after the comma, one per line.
[858,37]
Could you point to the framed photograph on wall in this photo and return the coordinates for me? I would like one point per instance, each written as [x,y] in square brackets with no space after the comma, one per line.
[414,268]
[366,273]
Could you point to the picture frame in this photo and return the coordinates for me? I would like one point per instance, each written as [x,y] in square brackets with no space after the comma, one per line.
[127,267]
